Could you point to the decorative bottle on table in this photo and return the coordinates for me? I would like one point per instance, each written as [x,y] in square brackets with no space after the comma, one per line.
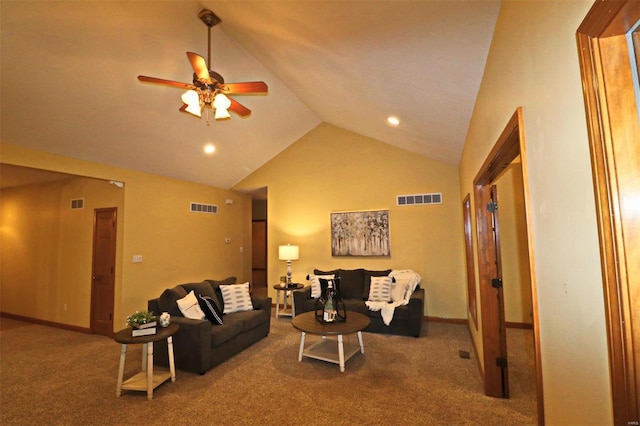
[330,303]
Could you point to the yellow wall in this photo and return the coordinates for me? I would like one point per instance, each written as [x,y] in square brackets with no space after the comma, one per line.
[47,248]
[513,246]
[177,246]
[330,170]
[533,63]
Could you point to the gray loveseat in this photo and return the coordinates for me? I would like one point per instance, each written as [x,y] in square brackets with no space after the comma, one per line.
[354,288]
[199,345]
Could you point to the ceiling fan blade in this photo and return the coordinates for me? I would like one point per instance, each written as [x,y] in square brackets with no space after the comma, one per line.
[238,108]
[199,66]
[166,82]
[247,87]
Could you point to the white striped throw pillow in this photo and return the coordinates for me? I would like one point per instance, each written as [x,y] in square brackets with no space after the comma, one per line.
[236,298]
[380,289]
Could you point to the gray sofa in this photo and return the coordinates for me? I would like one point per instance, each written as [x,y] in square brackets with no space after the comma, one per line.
[200,345]
[354,289]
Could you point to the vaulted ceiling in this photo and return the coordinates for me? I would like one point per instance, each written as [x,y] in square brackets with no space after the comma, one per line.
[69,68]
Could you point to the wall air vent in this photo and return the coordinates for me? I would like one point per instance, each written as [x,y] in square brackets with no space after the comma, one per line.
[203,208]
[77,203]
[419,199]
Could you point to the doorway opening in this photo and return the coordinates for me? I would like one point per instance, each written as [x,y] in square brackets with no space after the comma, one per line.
[259,254]
[509,146]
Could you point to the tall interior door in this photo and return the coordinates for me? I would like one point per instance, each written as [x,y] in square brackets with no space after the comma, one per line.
[497,284]
[103,271]
[491,294]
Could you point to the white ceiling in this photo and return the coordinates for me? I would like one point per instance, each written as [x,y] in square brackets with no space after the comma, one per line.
[68,78]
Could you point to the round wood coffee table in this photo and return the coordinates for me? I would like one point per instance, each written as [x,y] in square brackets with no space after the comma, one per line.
[325,349]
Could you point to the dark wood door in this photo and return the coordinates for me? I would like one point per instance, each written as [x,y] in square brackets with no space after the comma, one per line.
[494,342]
[103,271]
[259,255]
[497,283]
[492,303]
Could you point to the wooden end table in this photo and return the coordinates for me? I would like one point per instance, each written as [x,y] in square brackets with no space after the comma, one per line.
[325,349]
[148,379]
[287,291]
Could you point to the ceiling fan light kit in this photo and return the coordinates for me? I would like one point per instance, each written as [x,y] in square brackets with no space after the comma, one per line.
[208,89]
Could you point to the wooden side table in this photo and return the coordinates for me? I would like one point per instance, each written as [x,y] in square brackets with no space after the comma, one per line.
[147,379]
[286,291]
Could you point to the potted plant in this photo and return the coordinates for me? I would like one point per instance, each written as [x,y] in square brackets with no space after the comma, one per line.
[141,319]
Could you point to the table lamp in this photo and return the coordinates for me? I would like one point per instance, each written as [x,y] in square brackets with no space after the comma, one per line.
[288,253]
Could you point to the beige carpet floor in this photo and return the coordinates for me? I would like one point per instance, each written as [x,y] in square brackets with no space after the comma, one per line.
[50,376]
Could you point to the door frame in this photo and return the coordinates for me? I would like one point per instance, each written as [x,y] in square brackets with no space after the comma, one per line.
[509,145]
[612,130]
[470,264]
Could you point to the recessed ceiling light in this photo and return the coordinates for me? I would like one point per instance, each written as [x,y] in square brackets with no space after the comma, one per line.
[393,121]
[209,149]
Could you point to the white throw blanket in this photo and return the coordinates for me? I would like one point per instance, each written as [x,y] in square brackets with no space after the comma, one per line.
[386,308]
[407,276]
[403,277]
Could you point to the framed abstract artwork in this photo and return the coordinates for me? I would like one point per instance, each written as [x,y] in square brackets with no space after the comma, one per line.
[362,233]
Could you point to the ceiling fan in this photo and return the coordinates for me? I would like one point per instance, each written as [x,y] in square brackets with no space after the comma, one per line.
[208,89]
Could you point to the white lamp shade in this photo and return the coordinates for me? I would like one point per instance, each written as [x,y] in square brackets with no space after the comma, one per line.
[221,104]
[221,113]
[192,100]
[288,252]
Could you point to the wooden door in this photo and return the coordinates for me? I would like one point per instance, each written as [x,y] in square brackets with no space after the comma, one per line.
[491,295]
[259,255]
[103,271]
[497,284]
